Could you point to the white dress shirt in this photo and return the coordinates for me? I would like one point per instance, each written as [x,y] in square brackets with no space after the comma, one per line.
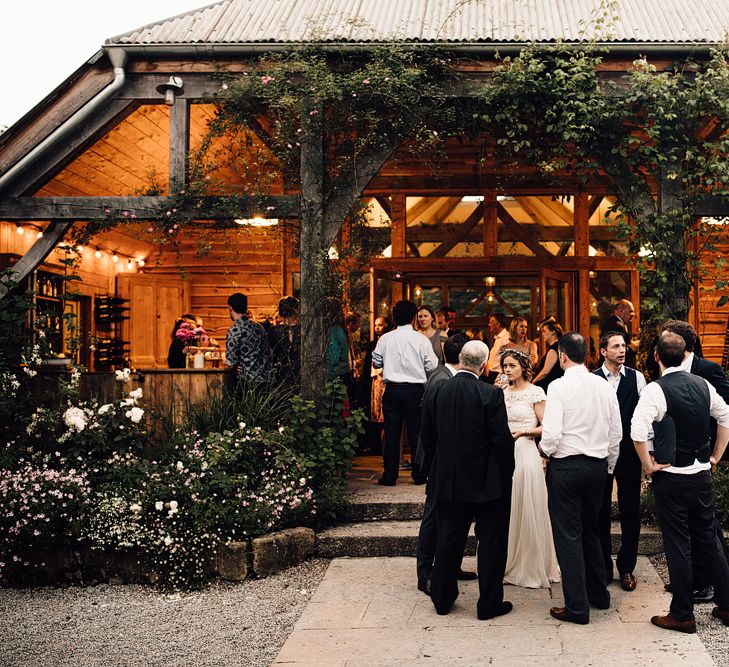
[404,355]
[501,340]
[582,416]
[614,380]
[652,408]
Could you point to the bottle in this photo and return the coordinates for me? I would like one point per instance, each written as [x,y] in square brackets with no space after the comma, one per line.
[198,359]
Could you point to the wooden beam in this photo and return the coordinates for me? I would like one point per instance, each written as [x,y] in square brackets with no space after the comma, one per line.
[712,206]
[446,208]
[399,224]
[435,233]
[559,209]
[520,233]
[595,201]
[458,233]
[483,266]
[582,225]
[89,208]
[179,144]
[384,202]
[490,224]
[532,212]
[583,313]
[28,263]
[417,209]
[58,155]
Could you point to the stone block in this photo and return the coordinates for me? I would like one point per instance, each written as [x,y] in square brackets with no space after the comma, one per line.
[232,561]
[277,551]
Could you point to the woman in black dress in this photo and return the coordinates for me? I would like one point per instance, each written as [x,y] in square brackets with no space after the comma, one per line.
[285,342]
[549,369]
[176,357]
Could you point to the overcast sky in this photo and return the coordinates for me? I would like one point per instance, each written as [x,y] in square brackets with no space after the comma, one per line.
[42,42]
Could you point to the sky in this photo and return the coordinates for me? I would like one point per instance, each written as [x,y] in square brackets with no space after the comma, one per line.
[42,42]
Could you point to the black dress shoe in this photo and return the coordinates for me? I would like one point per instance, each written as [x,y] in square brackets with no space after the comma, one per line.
[504,608]
[424,586]
[463,575]
[704,594]
[668,587]
[385,482]
[419,480]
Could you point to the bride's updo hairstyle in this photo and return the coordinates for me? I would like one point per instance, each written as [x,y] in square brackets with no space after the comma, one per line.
[522,359]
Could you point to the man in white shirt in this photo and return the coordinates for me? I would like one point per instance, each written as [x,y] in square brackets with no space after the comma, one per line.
[628,384]
[678,406]
[405,356]
[581,433]
[500,336]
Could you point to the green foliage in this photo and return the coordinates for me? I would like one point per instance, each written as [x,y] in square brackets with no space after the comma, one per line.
[721,491]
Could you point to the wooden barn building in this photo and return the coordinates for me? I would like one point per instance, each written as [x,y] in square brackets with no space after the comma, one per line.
[482,241]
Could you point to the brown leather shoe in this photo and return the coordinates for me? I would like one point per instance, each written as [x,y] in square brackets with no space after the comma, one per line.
[721,614]
[669,623]
[628,581]
[561,614]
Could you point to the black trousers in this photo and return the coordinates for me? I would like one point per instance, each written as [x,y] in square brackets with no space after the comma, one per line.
[627,475]
[400,403]
[685,510]
[427,538]
[701,577]
[576,486]
[492,532]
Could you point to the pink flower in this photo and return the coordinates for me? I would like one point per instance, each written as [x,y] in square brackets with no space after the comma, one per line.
[366,81]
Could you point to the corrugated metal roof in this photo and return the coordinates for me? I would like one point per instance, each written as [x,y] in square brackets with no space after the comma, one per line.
[257,21]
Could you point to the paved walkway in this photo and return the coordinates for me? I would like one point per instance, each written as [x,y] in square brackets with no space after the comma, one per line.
[367,612]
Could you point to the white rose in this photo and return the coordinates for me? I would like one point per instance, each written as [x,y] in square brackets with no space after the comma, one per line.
[135,507]
[135,414]
[179,465]
[75,418]
[173,504]
[159,505]
[105,408]
[122,375]
[168,540]
[136,394]
[204,465]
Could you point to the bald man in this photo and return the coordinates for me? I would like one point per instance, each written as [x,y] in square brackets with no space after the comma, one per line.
[623,315]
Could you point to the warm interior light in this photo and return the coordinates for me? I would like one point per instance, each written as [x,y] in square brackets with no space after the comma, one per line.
[115,258]
[130,263]
[140,262]
[472,198]
[418,291]
[257,222]
[490,296]
[20,230]
[39,234]
[79,249]
[97,254]
[490,281]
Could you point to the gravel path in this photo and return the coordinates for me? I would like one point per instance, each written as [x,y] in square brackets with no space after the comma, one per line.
[227,624]
[713,634]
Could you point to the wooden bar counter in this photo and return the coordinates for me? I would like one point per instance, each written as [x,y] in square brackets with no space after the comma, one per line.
[167,392]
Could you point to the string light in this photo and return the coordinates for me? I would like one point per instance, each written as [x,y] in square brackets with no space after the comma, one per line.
[39,234]
[20,230]
[115,258]
[140,262]
[97,254]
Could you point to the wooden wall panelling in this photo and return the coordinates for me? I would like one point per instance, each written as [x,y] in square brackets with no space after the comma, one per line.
[490,224]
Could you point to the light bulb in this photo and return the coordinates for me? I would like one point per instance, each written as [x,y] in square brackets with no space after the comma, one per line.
[130,263]
[97,254]
[115,258]
[140,262]
[20,230]
[39,234]
[79,249]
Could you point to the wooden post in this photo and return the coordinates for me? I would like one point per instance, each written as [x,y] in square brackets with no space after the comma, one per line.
[583,320]
[582,225]
[398,237]
[179,143]
[490,224]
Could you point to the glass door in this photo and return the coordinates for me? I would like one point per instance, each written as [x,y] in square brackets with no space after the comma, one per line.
[557,297]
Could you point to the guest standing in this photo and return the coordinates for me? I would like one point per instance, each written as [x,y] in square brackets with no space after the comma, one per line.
[405,357]
[176,357]
[426,326]
[628,384]
[581,432]
[246,349]
[679,405]
[620,321]
[518,332]
[500,339]
[338,359]
[531,560]
[466,434]
[285,342]
[371,388]
[549,369]
[446,320]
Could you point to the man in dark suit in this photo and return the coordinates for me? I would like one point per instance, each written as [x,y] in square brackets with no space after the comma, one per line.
[425,553]
[466,433]
[623,315]
[628,384]
[714,375]
[677,407]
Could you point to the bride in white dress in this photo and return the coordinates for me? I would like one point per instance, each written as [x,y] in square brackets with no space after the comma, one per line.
[531,560]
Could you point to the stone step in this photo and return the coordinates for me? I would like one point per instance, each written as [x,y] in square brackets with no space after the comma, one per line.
[399,538]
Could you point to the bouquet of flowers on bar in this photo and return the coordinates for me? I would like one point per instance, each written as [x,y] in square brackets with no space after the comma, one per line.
[191,333]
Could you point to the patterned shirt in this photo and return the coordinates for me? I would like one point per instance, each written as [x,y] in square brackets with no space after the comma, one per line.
[246,350]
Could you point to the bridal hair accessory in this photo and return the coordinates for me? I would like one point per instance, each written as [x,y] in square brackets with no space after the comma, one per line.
[514,352]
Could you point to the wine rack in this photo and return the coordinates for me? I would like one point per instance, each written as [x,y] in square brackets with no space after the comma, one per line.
[111,351]
[49,308]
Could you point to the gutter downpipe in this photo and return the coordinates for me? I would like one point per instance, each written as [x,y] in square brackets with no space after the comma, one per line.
[118,58]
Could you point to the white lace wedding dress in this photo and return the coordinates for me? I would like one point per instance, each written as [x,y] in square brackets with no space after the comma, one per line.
[531,560]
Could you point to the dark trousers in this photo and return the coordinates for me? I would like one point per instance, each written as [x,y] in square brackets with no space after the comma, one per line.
[575,486]
[427,537]
[701,578]
[627,475]
[400,403]
[685,510]
[492,532]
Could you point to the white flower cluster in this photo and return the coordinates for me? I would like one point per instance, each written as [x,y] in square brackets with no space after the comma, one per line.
[123,375]
[9,384]
[75,419]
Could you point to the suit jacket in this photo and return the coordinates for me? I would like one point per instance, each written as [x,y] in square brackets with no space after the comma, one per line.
[466,433]
[423,462]
[714,375]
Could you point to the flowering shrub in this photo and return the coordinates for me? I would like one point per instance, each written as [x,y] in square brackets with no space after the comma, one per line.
[39,507]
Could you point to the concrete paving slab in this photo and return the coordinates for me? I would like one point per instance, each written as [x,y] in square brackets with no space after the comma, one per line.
[368,612]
